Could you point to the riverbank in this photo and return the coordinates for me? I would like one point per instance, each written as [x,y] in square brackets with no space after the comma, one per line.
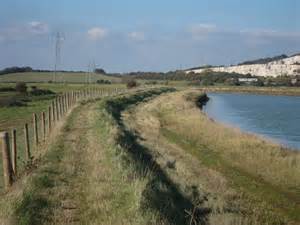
[266,174]
[287,91]
[152,157]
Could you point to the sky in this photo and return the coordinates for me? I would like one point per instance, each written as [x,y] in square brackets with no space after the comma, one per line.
[140,35]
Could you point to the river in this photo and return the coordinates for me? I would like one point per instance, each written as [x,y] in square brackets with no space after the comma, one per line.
[274,117]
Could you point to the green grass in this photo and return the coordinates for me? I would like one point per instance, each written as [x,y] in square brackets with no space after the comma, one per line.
[292,91]
[254,186]
[15,117]
[161,194]
[106,187]
[65,77]
[266,173]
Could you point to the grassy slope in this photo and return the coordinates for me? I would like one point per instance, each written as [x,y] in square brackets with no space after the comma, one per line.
[61,77]
[293,91]
[265,172]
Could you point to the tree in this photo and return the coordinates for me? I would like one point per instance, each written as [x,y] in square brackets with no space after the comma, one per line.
[21,87]
[131,83]
[99,71]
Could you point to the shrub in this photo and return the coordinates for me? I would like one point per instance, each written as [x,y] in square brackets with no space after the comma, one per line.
[10,101]
[21,87]
[33,87]
[99,71]
[151,83]
[207,82]
[131,83]
[37,92]
[103,81]
[7,89]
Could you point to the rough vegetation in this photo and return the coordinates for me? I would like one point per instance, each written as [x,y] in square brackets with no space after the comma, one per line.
[152,157]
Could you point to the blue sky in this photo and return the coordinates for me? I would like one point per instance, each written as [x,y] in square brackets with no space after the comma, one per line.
[144,35]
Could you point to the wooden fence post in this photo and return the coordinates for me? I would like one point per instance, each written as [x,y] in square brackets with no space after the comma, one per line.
[57,109]
[49,120]
[69,100]
[53,112]
[60,107]
[44,126]
[7,168]
[35,130]
[27,146]
[14,150]
[66,101]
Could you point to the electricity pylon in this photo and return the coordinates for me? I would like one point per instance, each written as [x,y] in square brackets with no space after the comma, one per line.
[59,38]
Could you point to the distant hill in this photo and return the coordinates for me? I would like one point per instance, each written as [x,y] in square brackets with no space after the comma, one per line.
[272,66]
[264,60]
[68,77]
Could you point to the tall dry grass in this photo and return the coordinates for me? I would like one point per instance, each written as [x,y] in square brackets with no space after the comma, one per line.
[255,155]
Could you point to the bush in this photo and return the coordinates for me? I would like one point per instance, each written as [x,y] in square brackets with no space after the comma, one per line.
[11,101]
[151,83]
[15,70]
[7,89]
[37,92]
[207,82]
[103,82]
[131,84]
[21,87]
[99,71]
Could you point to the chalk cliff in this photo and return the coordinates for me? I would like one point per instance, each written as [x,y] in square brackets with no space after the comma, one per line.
[288,66]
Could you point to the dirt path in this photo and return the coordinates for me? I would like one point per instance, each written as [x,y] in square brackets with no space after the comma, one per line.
[65,176]
[83,180]
[79,181]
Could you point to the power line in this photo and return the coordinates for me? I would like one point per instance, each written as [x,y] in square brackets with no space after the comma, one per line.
[59,38]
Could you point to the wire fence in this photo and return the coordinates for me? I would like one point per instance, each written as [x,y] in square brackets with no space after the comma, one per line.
[22,145]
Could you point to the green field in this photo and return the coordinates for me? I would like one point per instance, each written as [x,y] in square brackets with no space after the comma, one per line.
[65,77]
[14,117]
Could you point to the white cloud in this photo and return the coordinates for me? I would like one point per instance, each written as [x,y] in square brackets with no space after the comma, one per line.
[37,27]
[97,33]
[265,33]
[255,37]
[137,36]
[200,30]
[23,31]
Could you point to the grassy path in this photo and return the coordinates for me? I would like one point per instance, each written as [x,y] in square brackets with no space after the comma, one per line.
[81,180]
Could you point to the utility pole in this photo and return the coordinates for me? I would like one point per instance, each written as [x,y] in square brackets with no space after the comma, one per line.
[93,70]
[88,73]
[58,43]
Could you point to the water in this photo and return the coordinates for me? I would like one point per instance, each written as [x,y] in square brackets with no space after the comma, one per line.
[274,117]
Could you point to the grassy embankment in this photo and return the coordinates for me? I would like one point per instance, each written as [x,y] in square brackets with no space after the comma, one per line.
[95,178]
[267,174]
[291,91]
